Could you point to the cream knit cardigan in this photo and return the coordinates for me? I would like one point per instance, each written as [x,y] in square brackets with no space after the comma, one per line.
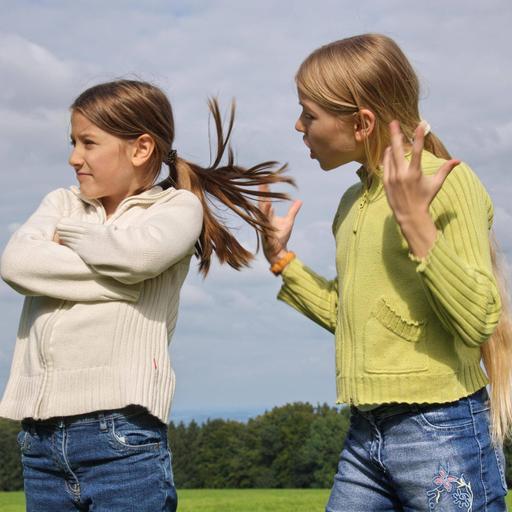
[101,306]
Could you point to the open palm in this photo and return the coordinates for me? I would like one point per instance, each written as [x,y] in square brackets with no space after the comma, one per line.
[408,190]
[275,246]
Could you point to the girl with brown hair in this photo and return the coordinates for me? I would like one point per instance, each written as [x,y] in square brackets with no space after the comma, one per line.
[416,305]
[101,266]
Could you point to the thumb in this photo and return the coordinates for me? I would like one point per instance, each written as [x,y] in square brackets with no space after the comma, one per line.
[443,171]
[294,209]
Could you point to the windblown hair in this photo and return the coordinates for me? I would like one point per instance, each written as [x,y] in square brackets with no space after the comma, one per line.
[128,109]
[371,71]
[497,354]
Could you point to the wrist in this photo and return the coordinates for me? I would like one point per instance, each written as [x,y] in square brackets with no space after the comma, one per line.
[278,256]
[420,234]
[416,220]
[280,264]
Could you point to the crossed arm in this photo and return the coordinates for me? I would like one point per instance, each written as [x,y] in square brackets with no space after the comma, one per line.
[95,262]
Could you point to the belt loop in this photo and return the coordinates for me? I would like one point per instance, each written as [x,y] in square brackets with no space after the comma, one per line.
[103,422]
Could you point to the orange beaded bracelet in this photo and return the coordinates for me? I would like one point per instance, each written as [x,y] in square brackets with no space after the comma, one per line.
[279,265]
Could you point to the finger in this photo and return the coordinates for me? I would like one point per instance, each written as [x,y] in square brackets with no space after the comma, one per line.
[263,202]
[443,172]
[387,163]
[294,209]
[397,145]
[417,147]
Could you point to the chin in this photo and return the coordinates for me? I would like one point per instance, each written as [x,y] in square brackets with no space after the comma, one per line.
[327,167]
[89,194]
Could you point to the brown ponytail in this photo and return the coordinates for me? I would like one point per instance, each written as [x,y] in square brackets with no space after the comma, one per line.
[232,186]
[131,108]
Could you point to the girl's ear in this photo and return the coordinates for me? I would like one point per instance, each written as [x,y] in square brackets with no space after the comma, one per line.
[142,149]
[364,124]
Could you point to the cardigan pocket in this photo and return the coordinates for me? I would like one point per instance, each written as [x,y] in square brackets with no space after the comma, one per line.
[394,344]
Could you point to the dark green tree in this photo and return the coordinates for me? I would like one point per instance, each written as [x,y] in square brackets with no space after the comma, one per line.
[11,478]
[220,454]
[320,452]
[184,447]
[278,436]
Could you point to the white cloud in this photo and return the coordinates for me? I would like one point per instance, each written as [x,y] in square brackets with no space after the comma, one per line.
[33,76]
[192,295]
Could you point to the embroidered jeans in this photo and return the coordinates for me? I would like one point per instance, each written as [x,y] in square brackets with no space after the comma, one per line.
[435,458]
[115,461]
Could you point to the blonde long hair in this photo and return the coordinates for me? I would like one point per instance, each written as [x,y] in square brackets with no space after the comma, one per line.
[371,71]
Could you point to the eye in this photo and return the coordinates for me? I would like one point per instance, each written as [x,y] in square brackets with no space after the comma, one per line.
[72,142]
[89,142]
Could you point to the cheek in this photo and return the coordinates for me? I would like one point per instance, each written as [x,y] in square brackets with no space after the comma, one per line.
[104,162]
[327,135]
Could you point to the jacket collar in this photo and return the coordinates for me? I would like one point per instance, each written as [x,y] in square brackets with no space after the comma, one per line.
[376,187]
[151,195]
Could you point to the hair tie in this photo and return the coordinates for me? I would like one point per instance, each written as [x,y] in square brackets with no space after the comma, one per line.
[426,127]
[171,157]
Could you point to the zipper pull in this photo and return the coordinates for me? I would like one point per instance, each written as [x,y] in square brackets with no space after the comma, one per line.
[364,198]
[362,203]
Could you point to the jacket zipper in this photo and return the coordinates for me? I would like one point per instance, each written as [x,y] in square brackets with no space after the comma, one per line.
[350,292]
[51,320]
[121,206]
[45,358]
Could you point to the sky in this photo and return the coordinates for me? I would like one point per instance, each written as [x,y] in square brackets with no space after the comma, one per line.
[237,350]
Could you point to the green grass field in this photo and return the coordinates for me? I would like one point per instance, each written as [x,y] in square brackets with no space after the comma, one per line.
[227,500]
[222,500]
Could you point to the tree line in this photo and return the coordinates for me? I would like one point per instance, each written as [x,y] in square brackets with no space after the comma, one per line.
[292,446]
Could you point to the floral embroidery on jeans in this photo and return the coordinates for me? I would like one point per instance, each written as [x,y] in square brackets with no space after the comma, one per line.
[450,485]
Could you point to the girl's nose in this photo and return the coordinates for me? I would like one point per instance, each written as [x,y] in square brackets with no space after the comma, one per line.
[75,160]
[299,126]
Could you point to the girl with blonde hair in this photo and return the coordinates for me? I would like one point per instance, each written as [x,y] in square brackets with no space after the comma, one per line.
[101,266]
[416,303]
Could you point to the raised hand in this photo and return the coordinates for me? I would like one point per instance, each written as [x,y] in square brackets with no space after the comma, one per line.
[275,247]
[410,192]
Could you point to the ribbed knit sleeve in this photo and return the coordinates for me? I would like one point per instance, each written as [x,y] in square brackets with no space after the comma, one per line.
[133,254]
[310,294]
[457,271]
[33,264]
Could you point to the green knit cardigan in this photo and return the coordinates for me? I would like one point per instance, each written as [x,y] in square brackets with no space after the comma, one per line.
[406,330]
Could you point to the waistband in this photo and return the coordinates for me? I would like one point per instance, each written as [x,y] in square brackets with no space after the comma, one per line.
[89,417]
[478,401]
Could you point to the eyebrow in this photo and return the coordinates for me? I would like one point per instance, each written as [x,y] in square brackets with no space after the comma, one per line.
[83,135]
[306,107]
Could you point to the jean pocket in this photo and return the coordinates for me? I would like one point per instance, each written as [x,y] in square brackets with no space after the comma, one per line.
[446,417]
[136,434]
[23,440]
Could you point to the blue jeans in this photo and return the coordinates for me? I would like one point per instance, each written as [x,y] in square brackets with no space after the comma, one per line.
[111,461]
[431,458]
